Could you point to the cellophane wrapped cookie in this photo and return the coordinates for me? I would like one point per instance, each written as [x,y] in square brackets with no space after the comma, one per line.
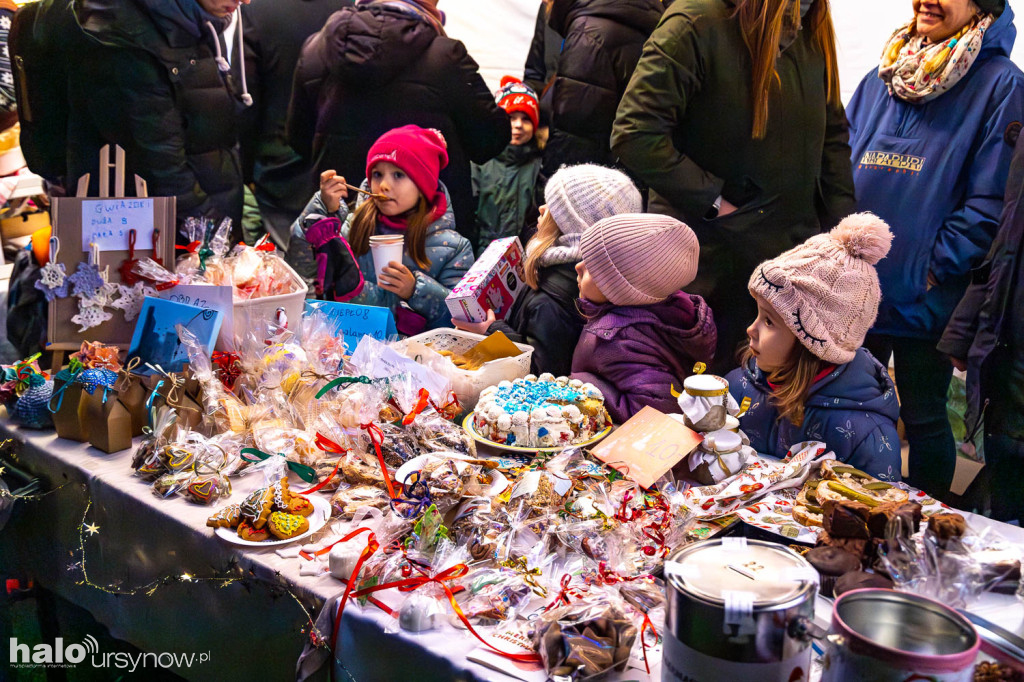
[146,460]
[587,637]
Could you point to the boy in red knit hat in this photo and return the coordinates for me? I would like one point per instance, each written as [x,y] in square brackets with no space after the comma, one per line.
[505,185]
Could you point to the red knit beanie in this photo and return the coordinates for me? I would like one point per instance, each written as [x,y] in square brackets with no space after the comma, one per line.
[420,152]
[515,95]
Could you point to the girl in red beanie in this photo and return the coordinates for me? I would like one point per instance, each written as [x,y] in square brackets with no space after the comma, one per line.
[401,196]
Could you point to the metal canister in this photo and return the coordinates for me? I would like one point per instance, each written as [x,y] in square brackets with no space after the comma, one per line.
[738,609]
[883,636]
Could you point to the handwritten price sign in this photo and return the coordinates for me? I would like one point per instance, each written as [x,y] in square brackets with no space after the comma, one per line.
[356,321]
[106,222]
[647,446]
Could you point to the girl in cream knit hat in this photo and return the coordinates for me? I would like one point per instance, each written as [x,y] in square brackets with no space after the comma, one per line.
[804,370]
[546,316]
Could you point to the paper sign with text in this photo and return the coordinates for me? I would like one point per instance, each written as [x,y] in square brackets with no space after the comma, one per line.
[106,222]
[647,446]
[356,321]
[210,297]
[379,361]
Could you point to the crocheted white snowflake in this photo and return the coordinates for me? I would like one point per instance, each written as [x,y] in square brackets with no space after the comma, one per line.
[129,300]
[90,316]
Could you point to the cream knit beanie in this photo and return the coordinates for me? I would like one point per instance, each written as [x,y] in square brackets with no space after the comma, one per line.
[579,196]
[640,258]
[826,289]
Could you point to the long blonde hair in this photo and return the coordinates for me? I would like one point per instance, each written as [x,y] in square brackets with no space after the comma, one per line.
[793,381]
[364,224]
[546,237]
[761,23]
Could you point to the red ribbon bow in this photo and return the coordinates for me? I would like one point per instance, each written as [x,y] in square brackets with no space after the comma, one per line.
[421,404]
[377,438]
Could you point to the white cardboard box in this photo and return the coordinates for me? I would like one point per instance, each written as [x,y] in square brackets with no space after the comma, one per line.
[493,283]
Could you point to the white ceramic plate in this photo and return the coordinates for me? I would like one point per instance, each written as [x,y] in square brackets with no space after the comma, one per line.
[321,512]
[467,424]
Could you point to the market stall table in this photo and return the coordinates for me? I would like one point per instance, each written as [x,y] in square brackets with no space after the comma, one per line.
[252,616]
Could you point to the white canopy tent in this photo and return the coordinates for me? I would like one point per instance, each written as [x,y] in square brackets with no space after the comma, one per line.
[497,33]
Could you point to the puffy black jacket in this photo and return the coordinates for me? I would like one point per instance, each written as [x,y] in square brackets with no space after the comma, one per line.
[150,82]
[547,319]
[987,328]
[603,41]
[376,67]
[274,33]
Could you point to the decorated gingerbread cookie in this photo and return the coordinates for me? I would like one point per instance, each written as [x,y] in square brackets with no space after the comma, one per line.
[286,526]
[246,531]
[281,494]
[228,517]
[300,505]
[257,506]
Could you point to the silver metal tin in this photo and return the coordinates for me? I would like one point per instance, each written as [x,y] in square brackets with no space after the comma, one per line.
[739,601]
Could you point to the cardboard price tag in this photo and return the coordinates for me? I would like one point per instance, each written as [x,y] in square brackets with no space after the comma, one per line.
[356,321]
[647,446]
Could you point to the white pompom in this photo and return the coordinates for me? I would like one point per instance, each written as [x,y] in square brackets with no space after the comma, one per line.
[864,236]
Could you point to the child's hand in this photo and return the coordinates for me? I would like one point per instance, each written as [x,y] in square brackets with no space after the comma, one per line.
[476,327]
[332,190]
[397,279]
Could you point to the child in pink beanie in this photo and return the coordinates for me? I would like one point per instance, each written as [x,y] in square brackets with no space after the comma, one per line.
[642,334]
[804,370]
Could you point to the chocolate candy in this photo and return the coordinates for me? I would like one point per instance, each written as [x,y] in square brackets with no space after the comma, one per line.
[846,519]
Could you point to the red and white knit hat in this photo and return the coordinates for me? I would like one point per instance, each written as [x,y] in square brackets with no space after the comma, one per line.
[826,289]
[515,95]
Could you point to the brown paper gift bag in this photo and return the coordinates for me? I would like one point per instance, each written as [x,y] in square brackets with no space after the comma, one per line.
[110,427]
[68,407]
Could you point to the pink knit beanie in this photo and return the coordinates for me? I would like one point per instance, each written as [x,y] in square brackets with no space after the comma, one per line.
[826,289]
[420,152]
[640,258]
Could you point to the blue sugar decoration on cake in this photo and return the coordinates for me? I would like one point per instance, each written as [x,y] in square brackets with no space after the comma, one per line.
[525,397]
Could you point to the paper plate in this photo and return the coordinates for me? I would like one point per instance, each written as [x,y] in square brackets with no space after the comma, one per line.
[321,512]
[467,424]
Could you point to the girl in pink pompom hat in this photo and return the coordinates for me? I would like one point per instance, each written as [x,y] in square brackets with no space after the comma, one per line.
[804,368]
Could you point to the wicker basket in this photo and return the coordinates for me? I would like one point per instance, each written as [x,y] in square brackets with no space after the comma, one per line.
[468,384]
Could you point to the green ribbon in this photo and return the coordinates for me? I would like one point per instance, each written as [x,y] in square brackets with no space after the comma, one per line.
[342,381]
[306,473]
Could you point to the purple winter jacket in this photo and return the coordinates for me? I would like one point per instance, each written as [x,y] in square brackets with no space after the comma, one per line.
[634,354]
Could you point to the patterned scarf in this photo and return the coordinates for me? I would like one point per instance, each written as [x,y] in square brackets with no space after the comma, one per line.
[917,72]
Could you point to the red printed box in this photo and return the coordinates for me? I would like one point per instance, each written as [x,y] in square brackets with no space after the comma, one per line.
[493,283]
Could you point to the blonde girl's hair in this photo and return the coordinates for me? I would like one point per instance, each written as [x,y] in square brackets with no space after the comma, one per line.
[761,23]
[794,381]
[364,224]
[546,236]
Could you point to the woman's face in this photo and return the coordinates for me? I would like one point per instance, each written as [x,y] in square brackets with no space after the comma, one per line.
[937,20]
[588,289]
[388,179]
[771,341]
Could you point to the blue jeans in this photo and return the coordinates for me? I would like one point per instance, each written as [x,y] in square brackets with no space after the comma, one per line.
[922,381]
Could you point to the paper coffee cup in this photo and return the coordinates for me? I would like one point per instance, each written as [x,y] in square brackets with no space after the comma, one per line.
[385,251]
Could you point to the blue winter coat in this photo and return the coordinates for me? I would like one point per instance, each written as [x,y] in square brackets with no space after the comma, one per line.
[936,173]
[450,254]
[853,410]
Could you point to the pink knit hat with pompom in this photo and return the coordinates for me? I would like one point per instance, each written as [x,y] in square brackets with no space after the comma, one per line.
[826,289]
